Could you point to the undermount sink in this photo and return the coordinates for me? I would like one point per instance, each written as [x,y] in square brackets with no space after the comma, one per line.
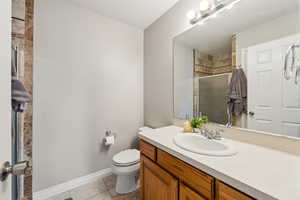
[198,144]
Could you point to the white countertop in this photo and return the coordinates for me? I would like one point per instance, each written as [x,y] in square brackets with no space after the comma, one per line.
[262,173]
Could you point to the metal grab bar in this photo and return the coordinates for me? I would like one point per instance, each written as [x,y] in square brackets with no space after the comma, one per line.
[290,50]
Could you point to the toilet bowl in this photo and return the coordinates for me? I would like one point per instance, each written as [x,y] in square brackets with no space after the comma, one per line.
[126,165]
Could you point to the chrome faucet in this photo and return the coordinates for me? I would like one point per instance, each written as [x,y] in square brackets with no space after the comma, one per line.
[211,135]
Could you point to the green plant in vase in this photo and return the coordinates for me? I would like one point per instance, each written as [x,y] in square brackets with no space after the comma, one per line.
[198,122]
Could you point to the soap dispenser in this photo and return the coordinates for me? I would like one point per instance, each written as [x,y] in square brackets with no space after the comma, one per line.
[187,128]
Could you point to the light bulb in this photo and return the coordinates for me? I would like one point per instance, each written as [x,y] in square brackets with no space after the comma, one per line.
[204,5]
[214,15]
[213,4]
[230,6]
[201,23]
[191,15]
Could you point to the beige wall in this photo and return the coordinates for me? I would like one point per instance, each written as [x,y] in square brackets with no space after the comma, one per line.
[87,79]
[183,84]
[158,60]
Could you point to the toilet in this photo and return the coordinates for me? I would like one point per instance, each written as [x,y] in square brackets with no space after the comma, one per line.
[126,165]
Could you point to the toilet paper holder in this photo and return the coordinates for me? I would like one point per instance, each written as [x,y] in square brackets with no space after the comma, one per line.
[110,133]
[107,141]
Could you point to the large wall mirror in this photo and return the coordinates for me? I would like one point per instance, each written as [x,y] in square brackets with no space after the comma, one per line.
[242,67]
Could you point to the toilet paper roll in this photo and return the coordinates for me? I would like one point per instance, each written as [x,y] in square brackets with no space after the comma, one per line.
[109,140]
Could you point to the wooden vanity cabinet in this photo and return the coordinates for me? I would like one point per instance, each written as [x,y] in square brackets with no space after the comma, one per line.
[157,184]
[165,177]
[225,192]
[148,150]
[194,178]
[185,193]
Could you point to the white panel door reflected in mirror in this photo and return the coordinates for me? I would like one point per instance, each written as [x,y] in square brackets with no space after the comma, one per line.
[236,62]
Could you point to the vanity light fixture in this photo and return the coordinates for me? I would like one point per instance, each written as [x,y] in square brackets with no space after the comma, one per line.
[230,6]
[205,5]
[191,14]
[210,9]
[194,16]
[214,15]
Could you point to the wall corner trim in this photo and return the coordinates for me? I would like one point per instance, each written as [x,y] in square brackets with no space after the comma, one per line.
[69,185]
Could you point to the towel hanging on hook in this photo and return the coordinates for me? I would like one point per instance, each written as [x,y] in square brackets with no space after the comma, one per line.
[237,95]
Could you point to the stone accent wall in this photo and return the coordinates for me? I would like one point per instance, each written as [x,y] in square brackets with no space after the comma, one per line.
[22,37]
[202,59]
[222,60]
[29,8]
[234,50]
[206,65]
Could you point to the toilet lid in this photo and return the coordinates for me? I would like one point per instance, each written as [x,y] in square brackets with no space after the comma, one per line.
[127,156]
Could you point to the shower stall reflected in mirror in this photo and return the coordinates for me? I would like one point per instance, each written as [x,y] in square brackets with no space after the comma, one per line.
[212,98]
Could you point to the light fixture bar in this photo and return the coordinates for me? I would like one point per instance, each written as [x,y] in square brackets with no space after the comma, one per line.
[200,18]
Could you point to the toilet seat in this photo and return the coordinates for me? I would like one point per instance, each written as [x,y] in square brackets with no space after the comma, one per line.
[126,158]
[126,165]
[121,170]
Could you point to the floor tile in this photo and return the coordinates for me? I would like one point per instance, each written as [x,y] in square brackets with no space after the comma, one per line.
[101,196]
[88,191]
[61,196]
[110,181]
[130,196]
[102,189]
[101,186]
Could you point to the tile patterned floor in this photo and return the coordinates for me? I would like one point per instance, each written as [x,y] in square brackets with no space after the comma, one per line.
[103,189]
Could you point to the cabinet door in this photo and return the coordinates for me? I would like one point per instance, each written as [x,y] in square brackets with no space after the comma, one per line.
[199,181]
[148,150]
[225,192]
[157,184]
[187,194]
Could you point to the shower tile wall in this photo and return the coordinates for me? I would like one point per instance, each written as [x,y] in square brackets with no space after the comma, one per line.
[22,37]
[206,65]
[29,8]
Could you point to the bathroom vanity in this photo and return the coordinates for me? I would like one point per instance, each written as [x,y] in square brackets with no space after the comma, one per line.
[241,73]
[172,173]
[190,183]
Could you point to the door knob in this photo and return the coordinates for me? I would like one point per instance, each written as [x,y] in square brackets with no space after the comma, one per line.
[20,168]
[251,113]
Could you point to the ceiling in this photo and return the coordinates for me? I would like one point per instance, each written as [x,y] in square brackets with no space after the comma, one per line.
[215,35]
[139,13]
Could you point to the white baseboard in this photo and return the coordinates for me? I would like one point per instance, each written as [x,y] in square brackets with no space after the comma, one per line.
[64,187]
